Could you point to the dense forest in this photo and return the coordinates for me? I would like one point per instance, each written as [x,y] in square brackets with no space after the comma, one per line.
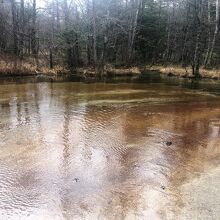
[79,33]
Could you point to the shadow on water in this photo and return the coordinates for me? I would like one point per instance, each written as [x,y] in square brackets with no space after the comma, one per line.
[208,85]
[205,85]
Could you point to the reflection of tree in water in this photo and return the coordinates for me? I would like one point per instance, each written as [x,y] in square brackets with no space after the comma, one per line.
[23,175]
[73,117]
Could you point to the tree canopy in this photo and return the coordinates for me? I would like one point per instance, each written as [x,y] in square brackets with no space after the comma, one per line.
[77,33]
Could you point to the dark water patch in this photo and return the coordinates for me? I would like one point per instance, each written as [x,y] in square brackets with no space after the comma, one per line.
[205,85]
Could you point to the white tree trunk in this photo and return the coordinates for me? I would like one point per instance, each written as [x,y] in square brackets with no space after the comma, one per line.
[94,32]
[209,40]
[215,33]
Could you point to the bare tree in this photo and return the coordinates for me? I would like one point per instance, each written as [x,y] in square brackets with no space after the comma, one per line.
[94,32]
[215,33]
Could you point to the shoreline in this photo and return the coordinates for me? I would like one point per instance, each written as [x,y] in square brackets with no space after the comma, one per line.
[180,72]
[109,72]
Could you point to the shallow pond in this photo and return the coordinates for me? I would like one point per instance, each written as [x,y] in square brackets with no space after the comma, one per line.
[107,150]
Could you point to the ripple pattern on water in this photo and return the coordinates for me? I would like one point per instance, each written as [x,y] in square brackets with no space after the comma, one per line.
[79,151]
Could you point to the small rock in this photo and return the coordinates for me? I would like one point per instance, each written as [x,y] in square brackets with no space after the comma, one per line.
[163,187]
[169,143]
[136,165]
[76,179]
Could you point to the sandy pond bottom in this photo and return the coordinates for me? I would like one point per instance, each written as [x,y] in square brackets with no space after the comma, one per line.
[108,151]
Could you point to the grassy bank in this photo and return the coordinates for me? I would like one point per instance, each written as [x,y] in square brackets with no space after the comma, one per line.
[184,72]
[175,71]
[9,66]
[109,71]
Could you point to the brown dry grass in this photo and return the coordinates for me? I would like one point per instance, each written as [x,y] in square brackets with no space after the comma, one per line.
[11,66]
[185,72]
[110,71]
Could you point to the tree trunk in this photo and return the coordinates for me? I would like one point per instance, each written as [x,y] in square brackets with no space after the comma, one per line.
[209,38]
[33,34]
[15,32]
[52,36]
[94,33]
[105,42]
[51,58]
[89,38]
[57,16]
[133,29]
[66,15]
[68,46]
[215,33]
[197,54]
[167,52]
[22,31]
[15,27]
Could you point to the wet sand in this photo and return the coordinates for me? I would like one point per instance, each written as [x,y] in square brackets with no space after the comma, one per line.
[108,151]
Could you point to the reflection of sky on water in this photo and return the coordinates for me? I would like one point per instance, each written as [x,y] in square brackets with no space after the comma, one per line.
[73,150]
